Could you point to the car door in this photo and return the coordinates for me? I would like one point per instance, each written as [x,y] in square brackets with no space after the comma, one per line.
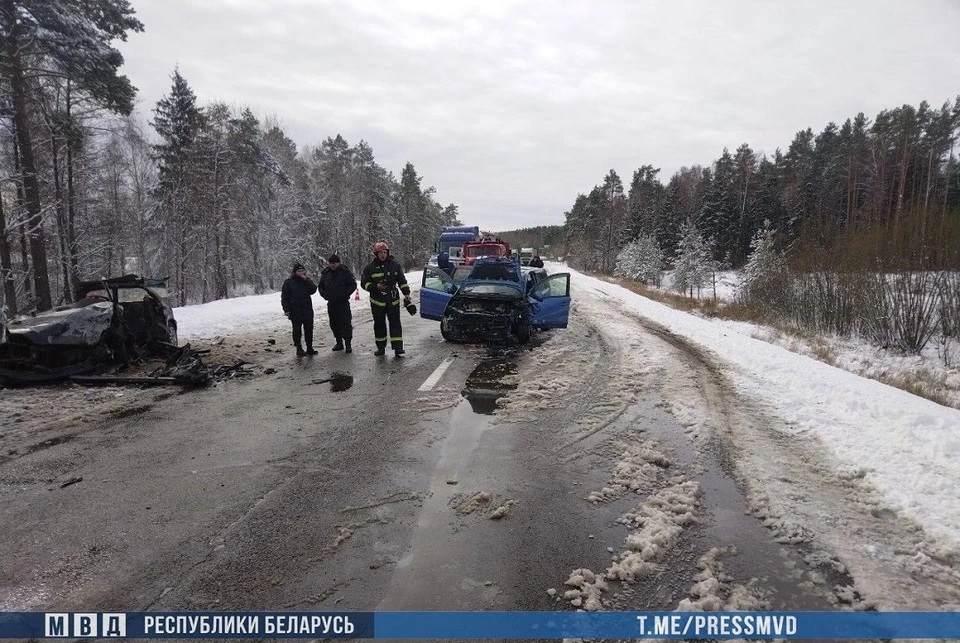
[436,289]
[550,302]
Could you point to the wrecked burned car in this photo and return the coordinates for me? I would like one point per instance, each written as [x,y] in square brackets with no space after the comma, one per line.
[498,302]
[112,321]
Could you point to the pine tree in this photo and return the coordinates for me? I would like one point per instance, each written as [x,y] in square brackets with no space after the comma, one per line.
[641,260]
[613,222]
[764,281]
[694,263]
[178,122]
[720,215]
[69,38]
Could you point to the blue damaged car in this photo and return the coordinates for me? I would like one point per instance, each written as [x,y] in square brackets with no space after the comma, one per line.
[498,302]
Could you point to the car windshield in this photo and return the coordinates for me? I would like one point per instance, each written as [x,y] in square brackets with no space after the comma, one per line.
[129,295]
[480,251]
[502,271]
[160,291]
[461,273]
[490,288]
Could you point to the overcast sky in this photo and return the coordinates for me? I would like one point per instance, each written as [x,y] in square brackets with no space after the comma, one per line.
[512,108]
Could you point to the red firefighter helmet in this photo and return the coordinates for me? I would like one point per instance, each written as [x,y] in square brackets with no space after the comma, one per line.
[380,245]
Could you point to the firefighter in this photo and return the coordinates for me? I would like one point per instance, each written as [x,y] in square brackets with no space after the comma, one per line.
[336,285]
[297,306]
[383,279]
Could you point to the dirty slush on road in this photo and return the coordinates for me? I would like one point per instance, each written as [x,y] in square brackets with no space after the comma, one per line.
[719,505]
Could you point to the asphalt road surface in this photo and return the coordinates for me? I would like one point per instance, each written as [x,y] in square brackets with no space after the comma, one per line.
[355,482]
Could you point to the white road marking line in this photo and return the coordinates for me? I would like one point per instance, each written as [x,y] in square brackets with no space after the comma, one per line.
[436,375]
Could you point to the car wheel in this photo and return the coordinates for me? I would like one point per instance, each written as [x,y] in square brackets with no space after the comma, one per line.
[445,329]
[522,332]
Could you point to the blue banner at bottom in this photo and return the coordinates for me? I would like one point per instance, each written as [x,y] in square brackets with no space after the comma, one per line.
[483,625]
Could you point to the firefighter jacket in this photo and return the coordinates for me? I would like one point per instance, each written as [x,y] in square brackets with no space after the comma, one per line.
[390,273]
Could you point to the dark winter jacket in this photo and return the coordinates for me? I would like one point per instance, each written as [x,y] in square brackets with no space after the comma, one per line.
[336,285]
[295,297]
[536,262]
[389,272]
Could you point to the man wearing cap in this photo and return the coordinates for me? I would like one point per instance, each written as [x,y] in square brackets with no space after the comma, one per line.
[383,278]
[298,307]
[336,285]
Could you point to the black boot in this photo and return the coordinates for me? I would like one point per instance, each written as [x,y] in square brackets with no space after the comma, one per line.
[381,350]
[339,345]
[310,351]
[349,348]
[398,352]
[300,351]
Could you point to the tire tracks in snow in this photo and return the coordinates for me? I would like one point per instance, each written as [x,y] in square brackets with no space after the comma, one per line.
[861,549]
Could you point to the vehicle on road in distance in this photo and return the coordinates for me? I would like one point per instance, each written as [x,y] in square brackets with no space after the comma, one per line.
[526,254]
[486,247]
[498,302]
[451,241]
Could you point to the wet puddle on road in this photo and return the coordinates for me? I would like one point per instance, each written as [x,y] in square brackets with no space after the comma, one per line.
[440,556]
[339,382]
[485,385]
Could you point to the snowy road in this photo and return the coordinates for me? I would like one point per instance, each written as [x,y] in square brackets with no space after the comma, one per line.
[621,469]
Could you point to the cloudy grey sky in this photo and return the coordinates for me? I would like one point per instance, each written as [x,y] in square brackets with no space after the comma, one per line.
[511,108]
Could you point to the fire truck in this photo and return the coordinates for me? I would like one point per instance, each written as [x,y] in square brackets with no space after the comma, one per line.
[485,246]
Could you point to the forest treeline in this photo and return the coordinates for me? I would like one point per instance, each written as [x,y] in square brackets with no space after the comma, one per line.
[854,231]
[896,173]
[212,197]
[550,237]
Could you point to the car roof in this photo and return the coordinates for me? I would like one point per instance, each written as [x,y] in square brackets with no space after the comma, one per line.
[124,281]
[495,269]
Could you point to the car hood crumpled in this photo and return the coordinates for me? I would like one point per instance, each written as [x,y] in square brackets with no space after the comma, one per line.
[82,326]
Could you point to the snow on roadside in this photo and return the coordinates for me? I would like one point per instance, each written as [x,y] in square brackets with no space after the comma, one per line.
[225,317]
[229,316]
[906,446]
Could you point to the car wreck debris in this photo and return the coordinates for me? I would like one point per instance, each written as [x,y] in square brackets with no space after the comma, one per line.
[113,321]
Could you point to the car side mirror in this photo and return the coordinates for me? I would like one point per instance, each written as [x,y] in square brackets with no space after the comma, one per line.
[537,294]
[451,287]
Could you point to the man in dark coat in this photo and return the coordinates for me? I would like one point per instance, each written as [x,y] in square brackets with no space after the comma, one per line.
[336,285]
[297,305]
[443,262]
[383,278]
[536,262]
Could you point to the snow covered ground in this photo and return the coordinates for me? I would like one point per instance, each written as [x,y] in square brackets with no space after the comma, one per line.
[927,370]
[905,446]
[227,316]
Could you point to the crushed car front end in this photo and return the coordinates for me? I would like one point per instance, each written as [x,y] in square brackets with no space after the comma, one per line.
[54,344]
[488,314]
[113,321]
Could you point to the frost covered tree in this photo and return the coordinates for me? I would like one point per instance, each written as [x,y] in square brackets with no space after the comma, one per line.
[641,260]
[68,39]
[764,281]
[178,121]
[694,261]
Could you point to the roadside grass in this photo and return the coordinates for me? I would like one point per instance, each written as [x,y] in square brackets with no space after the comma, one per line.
[921,381]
